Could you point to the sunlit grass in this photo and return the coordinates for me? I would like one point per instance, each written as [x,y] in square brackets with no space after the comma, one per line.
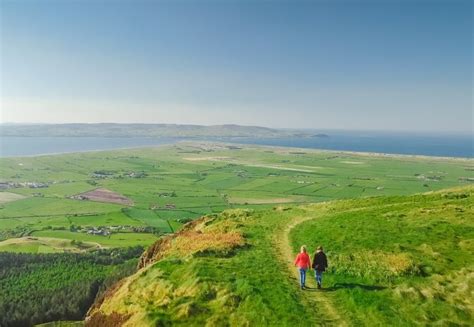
[403,260]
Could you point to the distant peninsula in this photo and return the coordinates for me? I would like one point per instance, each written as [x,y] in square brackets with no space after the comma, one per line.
[321,135]
[144,130]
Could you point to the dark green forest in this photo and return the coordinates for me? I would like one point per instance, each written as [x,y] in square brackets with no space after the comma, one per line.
[38,288]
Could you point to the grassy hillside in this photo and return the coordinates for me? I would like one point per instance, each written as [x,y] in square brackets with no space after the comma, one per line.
[218,269]
[400,260]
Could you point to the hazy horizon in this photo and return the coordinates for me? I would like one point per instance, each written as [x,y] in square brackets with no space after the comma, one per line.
[310,129]
[358,65]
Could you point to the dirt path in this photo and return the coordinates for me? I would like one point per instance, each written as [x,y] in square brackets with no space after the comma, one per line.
[322,302]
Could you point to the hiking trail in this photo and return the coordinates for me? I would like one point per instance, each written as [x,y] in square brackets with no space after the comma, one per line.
[321,301]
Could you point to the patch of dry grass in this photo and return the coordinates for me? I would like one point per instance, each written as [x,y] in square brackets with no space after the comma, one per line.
[193,242]
[376,265]
[208,234]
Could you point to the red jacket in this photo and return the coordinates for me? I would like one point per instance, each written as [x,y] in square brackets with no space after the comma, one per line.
[302,260]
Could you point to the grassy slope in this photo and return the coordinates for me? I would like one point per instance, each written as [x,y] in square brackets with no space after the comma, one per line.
[201,281]
[423,246]
[398,260]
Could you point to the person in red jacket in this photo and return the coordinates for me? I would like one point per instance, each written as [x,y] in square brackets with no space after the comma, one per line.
[303,263]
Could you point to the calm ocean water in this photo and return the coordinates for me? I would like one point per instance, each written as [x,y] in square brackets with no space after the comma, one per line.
[413,144]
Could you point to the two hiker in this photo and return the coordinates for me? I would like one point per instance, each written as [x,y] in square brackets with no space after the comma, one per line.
[303,262]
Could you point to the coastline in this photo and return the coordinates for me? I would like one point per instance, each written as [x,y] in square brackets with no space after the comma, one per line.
[358,153]
[259,146]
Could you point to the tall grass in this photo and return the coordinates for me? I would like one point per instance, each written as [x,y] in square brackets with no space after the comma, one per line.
[399,260]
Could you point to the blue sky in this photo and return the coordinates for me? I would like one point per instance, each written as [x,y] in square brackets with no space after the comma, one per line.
[383,65]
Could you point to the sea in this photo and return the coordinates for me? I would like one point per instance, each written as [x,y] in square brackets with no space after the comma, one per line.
[439,145]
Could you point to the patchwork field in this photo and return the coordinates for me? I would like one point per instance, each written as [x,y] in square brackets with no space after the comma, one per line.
[45,245]
[103,195]
[127,197]
[9,197]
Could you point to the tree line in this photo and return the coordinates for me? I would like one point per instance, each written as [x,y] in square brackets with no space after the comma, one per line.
[38,288]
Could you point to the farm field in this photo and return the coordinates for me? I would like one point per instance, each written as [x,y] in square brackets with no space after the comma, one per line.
[8,197]
[31,244]
[130,197]
[113,240]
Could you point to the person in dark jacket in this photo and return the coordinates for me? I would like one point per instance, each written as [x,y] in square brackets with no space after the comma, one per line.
[320,263]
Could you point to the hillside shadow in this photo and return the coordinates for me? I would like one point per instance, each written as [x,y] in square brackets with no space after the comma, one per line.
[339,286]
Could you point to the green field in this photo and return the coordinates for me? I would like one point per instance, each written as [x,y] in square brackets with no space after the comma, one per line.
[174,184]
[34,244]
[114,240]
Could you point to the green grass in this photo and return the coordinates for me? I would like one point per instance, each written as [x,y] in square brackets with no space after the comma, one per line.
[148,218]
[28,248]
[25,248]
[113,240]
[398,260]
[45,245]
[107,219]
[36,206]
